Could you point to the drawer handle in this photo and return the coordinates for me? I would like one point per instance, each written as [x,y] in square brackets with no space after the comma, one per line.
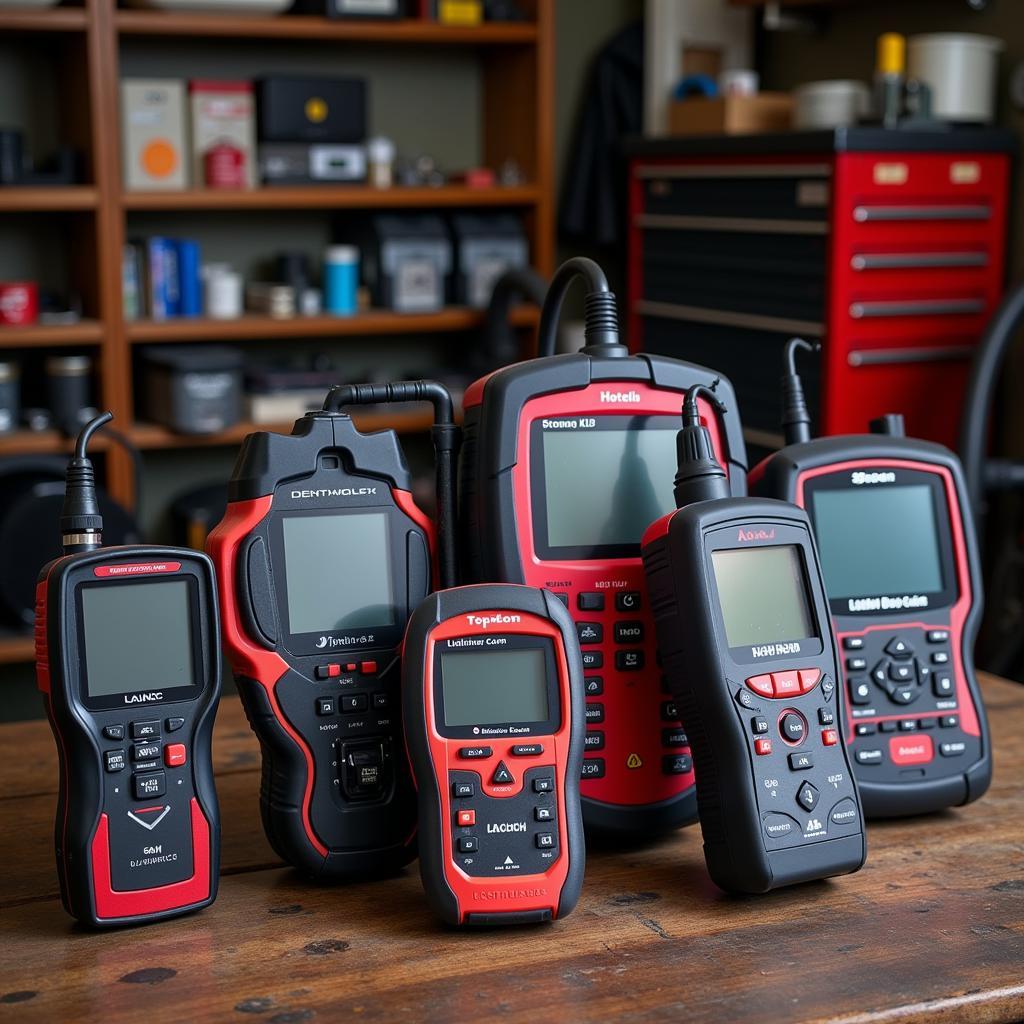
[917,260]
[916,307]
[752,225]
[727,318]
[882,357]
[864,214]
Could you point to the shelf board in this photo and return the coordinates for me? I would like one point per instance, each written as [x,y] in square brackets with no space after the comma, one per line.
[332,197]
[14,648]
[40,199]
[56,19]
[44,442]
[182,329]
[330,30]
[152,437]
[85,332]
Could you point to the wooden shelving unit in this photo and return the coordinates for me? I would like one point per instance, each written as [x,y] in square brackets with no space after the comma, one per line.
[516,74]
[373,322]
[313,197]
[64,199]
[516,71]
[85,332]
[327,30]
[43,442]
[60,19]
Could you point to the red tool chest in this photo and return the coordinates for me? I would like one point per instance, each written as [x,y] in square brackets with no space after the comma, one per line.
[888,246]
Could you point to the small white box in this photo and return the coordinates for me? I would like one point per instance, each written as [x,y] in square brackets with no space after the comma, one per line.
[153,142]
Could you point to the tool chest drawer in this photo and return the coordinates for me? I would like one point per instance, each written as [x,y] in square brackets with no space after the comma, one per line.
[734,192]
[889,247]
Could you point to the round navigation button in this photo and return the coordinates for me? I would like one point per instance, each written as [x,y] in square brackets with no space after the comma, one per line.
[792,727]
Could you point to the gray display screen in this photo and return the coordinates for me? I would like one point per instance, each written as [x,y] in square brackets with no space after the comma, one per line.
[338,572]
[763,595]
[489,688]
[138,636]
[605,487]
[877,540]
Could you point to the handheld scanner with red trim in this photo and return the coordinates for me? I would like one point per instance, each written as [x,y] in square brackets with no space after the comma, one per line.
[898,549]
[897,546]
[565,461]
[492,698]
[321,556]
[744,638]
[128,663]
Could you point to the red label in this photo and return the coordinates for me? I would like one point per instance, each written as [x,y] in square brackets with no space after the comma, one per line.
[910,749]
[138,569]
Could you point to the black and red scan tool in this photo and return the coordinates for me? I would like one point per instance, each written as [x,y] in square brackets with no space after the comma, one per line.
[128,662]
[492,696]
[321,556]
[743,631]
[566,460]
[899,552]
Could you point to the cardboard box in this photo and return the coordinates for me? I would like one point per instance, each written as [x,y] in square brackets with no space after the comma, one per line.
[732,115]
[223,113]
[153,147]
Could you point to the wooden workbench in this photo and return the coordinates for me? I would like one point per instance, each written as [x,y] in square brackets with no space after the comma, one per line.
[933,926]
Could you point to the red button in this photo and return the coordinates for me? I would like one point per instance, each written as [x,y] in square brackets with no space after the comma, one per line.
[174,755]
[333,671]
[761,685]
[466,817]
[368,668]
[351,667]
[809,678]
[911,749]
[829,737]
[787,684]
[763,746]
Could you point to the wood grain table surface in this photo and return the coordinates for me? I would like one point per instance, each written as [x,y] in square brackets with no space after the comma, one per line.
[931,928]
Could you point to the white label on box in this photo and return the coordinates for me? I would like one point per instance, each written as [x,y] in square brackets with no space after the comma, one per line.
[965,172]
[890,174]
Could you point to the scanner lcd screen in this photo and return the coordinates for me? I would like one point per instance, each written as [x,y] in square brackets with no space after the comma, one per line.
[338,572]
[491,687]
[138,636]
[763,595]
[604,487]
[877,540]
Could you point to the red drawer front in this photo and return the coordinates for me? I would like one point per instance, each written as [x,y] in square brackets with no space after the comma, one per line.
[918,243]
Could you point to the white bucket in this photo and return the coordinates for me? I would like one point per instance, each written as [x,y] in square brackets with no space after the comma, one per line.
[830,104]
[961,69]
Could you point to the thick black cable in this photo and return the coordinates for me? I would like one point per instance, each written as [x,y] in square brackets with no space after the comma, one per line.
[446,437]
[796,420]
[980,472]
[600,315]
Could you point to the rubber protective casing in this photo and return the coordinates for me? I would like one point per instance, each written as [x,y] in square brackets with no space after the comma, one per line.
[490,512]
[80,795]
[781,475]
[433,851]
[269,676]
[677,565]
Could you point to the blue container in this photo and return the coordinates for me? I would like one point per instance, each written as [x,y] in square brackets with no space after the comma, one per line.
[341,279]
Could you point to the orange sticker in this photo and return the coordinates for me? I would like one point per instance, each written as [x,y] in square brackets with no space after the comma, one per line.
[159,158]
